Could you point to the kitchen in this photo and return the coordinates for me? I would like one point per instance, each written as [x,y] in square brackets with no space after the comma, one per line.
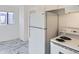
[45,33]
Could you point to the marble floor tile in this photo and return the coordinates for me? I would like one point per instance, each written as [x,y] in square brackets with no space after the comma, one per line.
[16,46]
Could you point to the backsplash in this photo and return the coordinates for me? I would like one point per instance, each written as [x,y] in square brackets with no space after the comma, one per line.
[69,30]
[69,23]
[69,20]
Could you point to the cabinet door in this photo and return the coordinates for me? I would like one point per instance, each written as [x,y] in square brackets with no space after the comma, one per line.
[51,7]
[37,41]
[64,51]
[54,49]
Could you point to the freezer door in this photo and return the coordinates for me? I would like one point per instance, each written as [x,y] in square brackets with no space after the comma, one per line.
[37,19]
[37,41]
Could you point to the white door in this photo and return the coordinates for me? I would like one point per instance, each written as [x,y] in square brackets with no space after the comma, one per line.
[37,19]
[37,41]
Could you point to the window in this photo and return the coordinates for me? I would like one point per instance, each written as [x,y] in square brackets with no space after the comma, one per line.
[3,17]
[10,19]
[6,18]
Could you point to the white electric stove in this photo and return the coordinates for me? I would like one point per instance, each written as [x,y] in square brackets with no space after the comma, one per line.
[67,43]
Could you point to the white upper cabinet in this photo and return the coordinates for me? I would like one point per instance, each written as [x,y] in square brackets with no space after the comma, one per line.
[69,8]
[60,6]
[51,7]
[44,7]
[38,8]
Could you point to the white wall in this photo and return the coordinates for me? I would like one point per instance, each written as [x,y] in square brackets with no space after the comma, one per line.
[9,32]
[20,28]
[23,22]
[26,23]
[51,25]
[69,20]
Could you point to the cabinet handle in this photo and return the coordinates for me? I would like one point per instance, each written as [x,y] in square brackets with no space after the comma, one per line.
[61,53]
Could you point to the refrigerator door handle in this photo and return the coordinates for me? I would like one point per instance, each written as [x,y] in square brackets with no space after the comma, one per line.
[37,27]
[29,32]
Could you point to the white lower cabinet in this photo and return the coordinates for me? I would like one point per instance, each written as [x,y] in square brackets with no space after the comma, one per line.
[55,49]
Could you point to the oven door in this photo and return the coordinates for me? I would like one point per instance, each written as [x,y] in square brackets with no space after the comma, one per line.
[55,49]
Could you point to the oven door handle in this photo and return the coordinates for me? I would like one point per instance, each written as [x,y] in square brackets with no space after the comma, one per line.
[61,53]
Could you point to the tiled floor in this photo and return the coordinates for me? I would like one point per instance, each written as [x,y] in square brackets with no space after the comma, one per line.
[16,46]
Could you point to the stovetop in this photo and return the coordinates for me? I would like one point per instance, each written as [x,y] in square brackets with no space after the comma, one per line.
[60,40]
[63,38]
[72,41]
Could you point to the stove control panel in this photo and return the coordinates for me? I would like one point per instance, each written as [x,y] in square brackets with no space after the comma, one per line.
[70,30]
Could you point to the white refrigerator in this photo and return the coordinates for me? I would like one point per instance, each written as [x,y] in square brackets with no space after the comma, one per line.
[38,33]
